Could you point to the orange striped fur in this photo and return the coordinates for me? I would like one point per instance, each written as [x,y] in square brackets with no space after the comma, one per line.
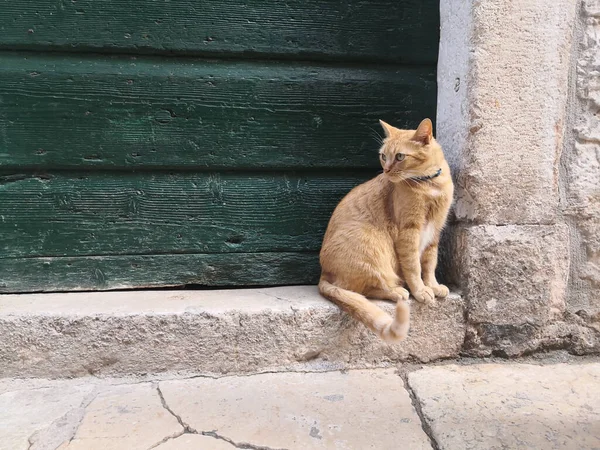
[383,236]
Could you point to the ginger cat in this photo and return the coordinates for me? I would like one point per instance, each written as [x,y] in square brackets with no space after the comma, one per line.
[385,233]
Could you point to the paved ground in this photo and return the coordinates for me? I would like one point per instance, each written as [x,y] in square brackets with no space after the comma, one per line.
[477,406]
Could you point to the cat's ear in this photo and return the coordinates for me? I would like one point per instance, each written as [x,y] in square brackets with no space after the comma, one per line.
[387,128]
[424,133]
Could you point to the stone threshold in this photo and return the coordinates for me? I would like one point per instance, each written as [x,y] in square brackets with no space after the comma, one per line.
[212,332]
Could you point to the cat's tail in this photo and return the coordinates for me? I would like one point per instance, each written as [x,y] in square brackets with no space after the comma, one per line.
[365,311]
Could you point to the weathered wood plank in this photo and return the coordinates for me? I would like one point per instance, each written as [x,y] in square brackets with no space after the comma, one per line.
[135,271]
[375,30]
[104,214]
[107,112]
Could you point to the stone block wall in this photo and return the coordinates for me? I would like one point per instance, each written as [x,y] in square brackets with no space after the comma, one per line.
[581,164]
[518,116]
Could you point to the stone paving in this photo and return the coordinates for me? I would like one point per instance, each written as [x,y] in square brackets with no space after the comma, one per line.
[451,406]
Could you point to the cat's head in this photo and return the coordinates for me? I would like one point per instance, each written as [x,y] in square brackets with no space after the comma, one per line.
[407,154]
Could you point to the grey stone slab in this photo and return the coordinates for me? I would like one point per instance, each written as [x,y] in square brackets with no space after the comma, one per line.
[127,417]
[354,410]
[515,274]
[211,332]
[27,409]
[511,406]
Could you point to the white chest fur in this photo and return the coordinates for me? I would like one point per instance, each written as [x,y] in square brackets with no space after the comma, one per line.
[435,192]
[427,234]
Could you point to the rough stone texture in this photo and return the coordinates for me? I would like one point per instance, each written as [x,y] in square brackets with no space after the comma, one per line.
[515,274]
[511,406]
[124,417]
[510,248]
[582,169]
[574,333]
[240,331]
[505,137]
[585,289]
[515,278]
[361,409]
[25,410]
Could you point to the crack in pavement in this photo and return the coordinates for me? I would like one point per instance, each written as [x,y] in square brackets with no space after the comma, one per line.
[185,426]
[213,433]
[68,424]
[417,405]
[242,445]
[84,404]
[167,439]
[185,429]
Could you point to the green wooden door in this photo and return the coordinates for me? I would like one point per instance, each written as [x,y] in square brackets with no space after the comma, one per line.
[155,143]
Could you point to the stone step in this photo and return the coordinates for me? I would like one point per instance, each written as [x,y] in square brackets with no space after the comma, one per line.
[207,332]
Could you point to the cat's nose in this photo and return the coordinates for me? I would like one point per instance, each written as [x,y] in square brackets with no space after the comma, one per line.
[386,169]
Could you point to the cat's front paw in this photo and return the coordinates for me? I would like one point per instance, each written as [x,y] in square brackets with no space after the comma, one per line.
[424,295]
[402,292]
[440,291]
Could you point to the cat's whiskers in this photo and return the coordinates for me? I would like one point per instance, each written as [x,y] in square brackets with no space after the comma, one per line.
[406,183]
[375,135]
[401,179]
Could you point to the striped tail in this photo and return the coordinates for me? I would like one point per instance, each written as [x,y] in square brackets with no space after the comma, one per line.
[365,311]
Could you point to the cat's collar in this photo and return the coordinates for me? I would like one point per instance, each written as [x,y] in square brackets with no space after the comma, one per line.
[427,177]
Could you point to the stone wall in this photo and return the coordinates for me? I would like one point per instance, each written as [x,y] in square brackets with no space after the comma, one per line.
[524,148]
[581,164]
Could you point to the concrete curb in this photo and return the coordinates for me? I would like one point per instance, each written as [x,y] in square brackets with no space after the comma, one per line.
[206,332]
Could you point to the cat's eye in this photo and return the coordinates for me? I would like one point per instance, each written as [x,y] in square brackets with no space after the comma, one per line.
[383,157]
[400,156]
